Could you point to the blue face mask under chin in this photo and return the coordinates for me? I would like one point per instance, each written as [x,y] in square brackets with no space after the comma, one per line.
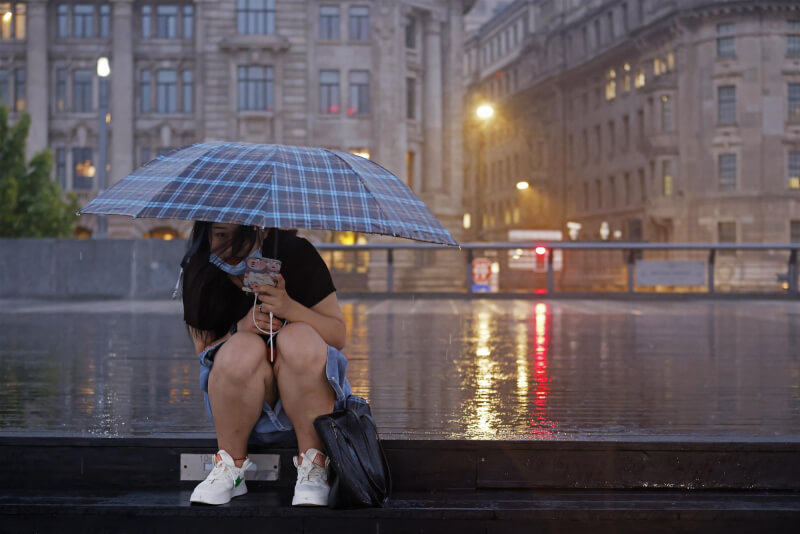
[235,270]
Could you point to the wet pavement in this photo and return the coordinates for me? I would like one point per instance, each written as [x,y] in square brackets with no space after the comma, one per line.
[455,369]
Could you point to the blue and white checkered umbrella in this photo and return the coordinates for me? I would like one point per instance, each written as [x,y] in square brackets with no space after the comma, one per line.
[273,186]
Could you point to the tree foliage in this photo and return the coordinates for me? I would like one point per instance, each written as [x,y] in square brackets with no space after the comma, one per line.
[31,205]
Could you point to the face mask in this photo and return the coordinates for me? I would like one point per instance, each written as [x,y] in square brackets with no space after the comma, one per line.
[235,270]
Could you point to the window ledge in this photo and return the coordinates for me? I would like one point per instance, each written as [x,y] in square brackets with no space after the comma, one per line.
[255,42]
[255,113]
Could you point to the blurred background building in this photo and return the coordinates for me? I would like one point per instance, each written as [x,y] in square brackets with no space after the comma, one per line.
[664,121]
[377,78]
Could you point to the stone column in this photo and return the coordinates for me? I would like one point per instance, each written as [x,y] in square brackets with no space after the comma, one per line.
[122,83]
[121,106]
[36,85]
[432,106]
[453,164]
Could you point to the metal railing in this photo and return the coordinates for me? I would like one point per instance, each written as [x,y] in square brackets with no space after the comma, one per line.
[631,253]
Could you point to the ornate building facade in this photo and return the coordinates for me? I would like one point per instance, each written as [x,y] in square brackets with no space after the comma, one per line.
[664,121]
[377,77]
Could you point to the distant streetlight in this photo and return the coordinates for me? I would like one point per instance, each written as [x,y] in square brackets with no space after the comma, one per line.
[7,16]
[484,111]
[523,185]
[103,71]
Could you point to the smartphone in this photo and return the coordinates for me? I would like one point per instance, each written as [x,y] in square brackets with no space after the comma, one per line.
[260,272]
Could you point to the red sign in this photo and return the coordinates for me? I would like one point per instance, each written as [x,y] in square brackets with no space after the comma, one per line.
[481,270]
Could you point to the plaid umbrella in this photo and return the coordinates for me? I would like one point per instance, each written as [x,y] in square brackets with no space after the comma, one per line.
[272,186]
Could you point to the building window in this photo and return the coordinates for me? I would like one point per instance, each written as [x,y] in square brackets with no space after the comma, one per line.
[726,104]
[793,170]
[105,20]
[666,114]
[585,139]
[19,89]
[144,103]
[642,186]
[627,178]
[640,79]
[624,16]
[410,162]
[794,101]
[726,232]
[83,20]
[166,91]
[329,23]
[411,32]
[597,36]
[659,66]
[411,98]
[640,124]
[612,191]
[61,168]
[359,92]
[359,23]
[82,168]
[793,39]
[187,89]
[255,17]
[626,132]
[668,181]
[329,92]
[612,138]
[188,22]
[146,20]
[167,22]
[598,185]
[586,196]
[610,18]
[255,88]
[63,20]
[82,91]
[611,84]
[794,232]
[598,137]
[727,171]
[725,44]
[12,20]
[585,40]
[61,89]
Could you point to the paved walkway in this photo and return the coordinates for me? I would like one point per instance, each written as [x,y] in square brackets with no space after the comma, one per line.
[465,369]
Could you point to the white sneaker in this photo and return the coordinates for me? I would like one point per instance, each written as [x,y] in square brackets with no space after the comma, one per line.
[312,487]
[225,481]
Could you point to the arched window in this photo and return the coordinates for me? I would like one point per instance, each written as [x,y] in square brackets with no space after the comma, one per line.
[163,232]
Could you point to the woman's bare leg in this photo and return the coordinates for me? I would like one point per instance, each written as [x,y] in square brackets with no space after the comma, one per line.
[302,382]
[240,381]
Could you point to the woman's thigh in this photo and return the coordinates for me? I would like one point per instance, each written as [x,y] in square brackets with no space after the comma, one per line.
[300,348]
[240,359]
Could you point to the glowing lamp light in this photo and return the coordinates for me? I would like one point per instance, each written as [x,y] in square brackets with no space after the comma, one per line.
[484,111]
[7,16]
[523,185]
[540,251]
[103,67]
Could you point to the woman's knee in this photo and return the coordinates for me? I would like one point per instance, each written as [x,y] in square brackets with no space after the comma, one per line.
[242,358]
[301,348]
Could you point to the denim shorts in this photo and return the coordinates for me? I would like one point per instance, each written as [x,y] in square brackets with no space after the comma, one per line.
[274,424]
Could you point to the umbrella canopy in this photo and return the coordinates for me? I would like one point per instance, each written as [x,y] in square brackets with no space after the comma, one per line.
[272,186]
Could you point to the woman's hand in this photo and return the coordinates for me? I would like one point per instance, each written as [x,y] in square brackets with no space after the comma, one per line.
[275,299]
[245,324]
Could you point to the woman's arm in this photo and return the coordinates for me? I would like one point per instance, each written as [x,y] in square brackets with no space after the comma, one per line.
[325,317]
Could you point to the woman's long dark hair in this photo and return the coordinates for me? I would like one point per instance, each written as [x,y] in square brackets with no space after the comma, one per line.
[204,308]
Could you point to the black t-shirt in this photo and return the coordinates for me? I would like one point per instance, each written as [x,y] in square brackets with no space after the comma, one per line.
[212,302]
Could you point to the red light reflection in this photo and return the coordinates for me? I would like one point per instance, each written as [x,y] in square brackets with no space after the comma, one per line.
[541,426]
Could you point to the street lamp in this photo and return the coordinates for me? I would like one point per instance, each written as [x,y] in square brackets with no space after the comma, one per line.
[103,72]
[523,185]
[484,113]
